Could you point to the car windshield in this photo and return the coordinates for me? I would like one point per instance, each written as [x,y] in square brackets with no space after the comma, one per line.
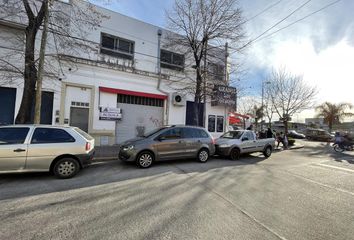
[232,135]
[149,134]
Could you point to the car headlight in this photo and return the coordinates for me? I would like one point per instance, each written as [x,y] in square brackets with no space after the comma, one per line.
[131,147]
[225,145]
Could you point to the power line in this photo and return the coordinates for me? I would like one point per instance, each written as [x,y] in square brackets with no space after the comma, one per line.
[273,26]
[263,11]
[282,20]
[300,19]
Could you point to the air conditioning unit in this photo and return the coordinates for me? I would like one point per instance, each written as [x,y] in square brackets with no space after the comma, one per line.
[178,99]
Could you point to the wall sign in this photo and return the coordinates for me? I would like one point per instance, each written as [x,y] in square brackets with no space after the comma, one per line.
[110,114]
[225,96]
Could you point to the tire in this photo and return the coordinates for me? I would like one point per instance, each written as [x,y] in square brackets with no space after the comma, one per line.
[66,168]
[145,159]
[235,154]
[203,155]
[337,148]
[267,152]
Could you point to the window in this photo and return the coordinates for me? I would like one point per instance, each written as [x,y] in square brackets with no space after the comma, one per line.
[173,133]
[220,124]
[121,98]
[249,136]
[172,60]
[232,135]
[217,71]
[51,135]
[211,123]
[202,133]
[83,133]
[118,47]
[13,135]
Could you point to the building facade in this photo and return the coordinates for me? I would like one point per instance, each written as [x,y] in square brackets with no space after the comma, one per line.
[129,84]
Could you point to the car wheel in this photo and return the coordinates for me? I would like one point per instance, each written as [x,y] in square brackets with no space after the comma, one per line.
[66,168]
[145,159]
[267,152]
[203,155]
[235,154]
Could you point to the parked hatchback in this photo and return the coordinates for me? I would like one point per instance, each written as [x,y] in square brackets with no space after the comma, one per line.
[168,143]
[61,150]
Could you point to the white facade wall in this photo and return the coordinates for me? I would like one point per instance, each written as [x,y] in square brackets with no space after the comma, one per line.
[81,82]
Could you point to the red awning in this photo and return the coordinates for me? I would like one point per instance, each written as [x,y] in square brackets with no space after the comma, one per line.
[234,120]
[234,114]
[132,93]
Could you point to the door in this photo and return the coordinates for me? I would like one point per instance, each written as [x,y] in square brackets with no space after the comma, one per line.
[46,108]
[171,145]
[248,142]
[46,144]
[190,114]
[7,110]
[79,118]
[13,150]
[193,141]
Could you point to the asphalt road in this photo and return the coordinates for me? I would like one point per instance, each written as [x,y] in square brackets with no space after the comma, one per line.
[298,194]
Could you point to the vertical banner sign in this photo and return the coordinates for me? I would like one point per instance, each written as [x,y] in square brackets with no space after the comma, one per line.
[224,96]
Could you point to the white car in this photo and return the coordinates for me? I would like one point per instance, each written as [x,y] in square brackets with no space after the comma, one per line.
[234,143]
[62,150]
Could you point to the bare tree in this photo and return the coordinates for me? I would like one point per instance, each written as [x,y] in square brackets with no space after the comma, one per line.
[69,24]
[289,94]
[203,26]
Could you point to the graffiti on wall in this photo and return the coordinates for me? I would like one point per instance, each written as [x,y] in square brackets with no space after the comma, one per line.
[156,121]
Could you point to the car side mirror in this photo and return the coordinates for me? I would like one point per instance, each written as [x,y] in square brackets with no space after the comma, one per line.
[244,139]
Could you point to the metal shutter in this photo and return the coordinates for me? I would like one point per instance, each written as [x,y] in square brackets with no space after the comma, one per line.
[136,117]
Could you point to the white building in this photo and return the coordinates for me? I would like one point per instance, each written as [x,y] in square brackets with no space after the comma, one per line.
[120,78]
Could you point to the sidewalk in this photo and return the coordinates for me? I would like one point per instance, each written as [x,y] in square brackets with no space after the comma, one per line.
[106,153]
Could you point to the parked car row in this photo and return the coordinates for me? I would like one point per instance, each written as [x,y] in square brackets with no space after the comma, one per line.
[64,150]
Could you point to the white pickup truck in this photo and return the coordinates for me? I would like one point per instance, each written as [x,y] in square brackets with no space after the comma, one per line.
[234,143]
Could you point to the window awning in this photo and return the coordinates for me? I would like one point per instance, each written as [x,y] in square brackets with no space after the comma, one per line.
[132,93]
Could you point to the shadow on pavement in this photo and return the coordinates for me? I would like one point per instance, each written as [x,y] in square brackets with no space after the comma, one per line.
[17,185]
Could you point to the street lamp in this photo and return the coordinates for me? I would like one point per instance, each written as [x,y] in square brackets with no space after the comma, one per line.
[262,106]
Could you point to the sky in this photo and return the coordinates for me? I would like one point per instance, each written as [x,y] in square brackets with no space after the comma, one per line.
[320,47]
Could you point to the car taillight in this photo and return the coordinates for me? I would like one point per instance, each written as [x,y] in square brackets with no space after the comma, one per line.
[213,140]
[88,146]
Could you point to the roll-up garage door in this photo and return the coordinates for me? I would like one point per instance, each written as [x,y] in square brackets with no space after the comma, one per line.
[139,115]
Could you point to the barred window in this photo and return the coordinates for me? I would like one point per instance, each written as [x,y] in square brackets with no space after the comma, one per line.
[172,60]
[116,46]
[129,99]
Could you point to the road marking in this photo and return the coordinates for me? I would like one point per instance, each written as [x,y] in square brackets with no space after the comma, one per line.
[321,184]
[334,167]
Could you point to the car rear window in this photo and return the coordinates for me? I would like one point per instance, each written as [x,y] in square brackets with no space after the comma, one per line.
[13,135]
[51,135]
[83,133]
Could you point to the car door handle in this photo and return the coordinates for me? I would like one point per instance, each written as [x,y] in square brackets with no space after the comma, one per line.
[19,150]
[180,141]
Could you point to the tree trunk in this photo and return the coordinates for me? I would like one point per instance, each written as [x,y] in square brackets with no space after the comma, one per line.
[30,77]
[197,97]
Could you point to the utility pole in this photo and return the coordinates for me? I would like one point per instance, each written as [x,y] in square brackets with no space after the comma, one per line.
[38,100]
[226,78]
[204,83]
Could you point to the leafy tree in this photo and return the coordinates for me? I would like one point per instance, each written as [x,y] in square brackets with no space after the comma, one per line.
[334,113]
